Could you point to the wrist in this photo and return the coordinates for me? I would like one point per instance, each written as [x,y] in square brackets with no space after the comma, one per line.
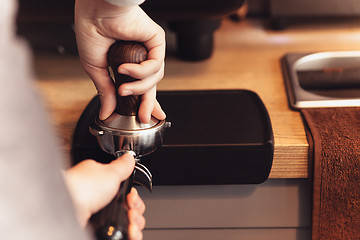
[109,10]
[125,3]
[98,9]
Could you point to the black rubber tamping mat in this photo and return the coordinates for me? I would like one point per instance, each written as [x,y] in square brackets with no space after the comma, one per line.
[216,137]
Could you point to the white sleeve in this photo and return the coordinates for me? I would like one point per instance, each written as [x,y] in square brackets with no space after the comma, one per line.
[125,3]
[34,202]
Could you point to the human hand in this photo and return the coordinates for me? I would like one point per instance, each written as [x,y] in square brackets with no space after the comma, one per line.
[97,25]
[92,186]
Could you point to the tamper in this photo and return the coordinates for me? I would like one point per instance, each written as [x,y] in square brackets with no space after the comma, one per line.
[123,133]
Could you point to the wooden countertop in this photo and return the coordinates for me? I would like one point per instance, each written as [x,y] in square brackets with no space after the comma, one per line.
[246,56]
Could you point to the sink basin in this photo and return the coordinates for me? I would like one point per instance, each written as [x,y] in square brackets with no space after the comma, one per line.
[325,79]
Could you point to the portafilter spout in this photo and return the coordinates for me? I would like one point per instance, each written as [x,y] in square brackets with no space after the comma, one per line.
[123,133]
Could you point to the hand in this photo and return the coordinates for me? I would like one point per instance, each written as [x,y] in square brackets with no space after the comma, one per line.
[93,185]
[97,25]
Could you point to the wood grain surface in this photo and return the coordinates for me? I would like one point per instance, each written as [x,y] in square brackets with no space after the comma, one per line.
[246,56]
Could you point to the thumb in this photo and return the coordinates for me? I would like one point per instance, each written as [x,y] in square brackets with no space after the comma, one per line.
[123,166]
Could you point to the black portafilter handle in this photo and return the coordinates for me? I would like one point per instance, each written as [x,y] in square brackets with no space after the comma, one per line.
[126,52]
[111,223]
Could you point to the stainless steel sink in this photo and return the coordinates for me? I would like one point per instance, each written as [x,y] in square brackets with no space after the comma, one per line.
[322,79]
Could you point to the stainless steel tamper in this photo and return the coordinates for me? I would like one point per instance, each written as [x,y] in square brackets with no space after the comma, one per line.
[123,133]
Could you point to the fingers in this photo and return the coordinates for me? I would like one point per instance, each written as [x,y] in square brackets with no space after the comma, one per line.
[147,105]
[123,166]
[153,37]
[158,112]
[135,202]
[145,87]
[146,68]
[135,233]
[150,106]
[149,72]
[147,78]
[105,88]
[135,214]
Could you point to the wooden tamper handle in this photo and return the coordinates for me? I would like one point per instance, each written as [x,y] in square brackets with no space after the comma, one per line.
[126,52]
